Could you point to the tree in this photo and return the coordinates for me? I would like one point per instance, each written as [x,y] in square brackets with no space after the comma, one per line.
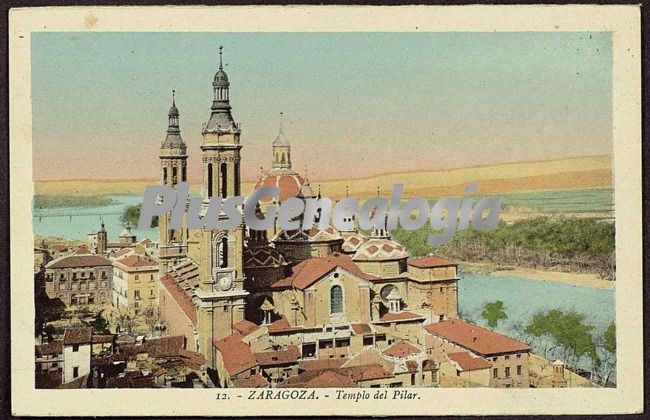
[608,344]
[131,214]
[493,312]
[568,332]
[100,324]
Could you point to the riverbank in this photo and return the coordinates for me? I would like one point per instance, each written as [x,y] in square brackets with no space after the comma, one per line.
[574,279]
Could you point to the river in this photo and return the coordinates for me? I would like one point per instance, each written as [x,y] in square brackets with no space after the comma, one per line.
[522,297]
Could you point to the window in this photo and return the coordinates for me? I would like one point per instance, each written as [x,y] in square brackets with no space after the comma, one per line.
[412,378]
[507,372]
[151,277]
[325,344]
[308,350]
[336,300]
[224,180]
[137,277]
[519,356]
[507,357]
[136,294]
[518,369]
[396,385]
[342,342]
[75,348]
[457,373]
[495,373]
[151,292]
[380,337]
[368,340]
[209,180]
[75,371]
[224,252]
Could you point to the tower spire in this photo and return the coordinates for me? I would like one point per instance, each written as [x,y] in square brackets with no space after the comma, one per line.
[281,114]
[173,97]
[220,57]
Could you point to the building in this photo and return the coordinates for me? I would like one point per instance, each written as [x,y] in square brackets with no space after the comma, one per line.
[79,280]
[77,344]
[508,358]
[135,283]
[313,307]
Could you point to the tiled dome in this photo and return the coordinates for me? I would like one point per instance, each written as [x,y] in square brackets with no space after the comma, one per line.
[380,249]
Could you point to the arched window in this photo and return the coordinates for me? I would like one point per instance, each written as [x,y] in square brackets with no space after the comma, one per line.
[164,176]
[174,176]
[184,179]
[336,300]
[209,180]
[224,252]
[284,158]
[224,180]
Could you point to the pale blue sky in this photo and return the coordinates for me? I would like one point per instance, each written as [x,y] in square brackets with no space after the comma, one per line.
[356,104]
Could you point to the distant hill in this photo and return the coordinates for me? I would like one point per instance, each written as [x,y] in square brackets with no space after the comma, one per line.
[574,173]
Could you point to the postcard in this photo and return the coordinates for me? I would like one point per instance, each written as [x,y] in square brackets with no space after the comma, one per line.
[246,211]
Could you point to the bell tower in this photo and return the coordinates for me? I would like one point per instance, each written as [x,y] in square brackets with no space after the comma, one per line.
[173,163]
[281,150]
[221,289]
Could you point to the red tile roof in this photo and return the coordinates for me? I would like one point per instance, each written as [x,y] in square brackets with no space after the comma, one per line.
[330,379]
[467,362]
[237,356]
[102,338]
[253,381]
[81,335]
[310,271]
[290,355]
[360,329]
[181,298]
[193,359]
[245,327]
[73,261]
[400,316]
[137,261]
[155,347]
[476,339]
[50,349]
[282,326]
[401,349]
[320,364]
[431,261]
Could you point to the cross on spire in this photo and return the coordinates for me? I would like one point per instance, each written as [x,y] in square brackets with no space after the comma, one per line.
[281,115]
[220,57]
[173,97]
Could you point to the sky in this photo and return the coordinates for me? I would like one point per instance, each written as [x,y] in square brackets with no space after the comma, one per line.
[355,104]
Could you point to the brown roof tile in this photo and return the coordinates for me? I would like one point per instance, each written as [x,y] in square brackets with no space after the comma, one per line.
[137,261]
[476,339]
[431,261]
[467,362]
[360,329]
[237,356]
[73,261]
[81,335]
[401,349]
[180,297]
[309,271]
[400,316]
[320,364]
[253,381]
[290,355]
[245,327]
[50,349]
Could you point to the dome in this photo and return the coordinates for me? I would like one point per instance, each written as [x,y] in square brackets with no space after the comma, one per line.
[173,111]
[262,256]
[315,234]
[221,78]
[380,249]
[287,180]
[352,241]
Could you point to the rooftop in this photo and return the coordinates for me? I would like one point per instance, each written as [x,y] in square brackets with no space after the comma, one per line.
[467,362]
[431,261]
[476,339]
[237,356]
[80,335]
[76,261]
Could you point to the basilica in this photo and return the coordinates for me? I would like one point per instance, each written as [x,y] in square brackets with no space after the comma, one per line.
[310,308]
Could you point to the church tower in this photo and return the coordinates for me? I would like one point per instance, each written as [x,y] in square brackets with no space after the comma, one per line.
[281,150]
[221,291]
[173,163]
